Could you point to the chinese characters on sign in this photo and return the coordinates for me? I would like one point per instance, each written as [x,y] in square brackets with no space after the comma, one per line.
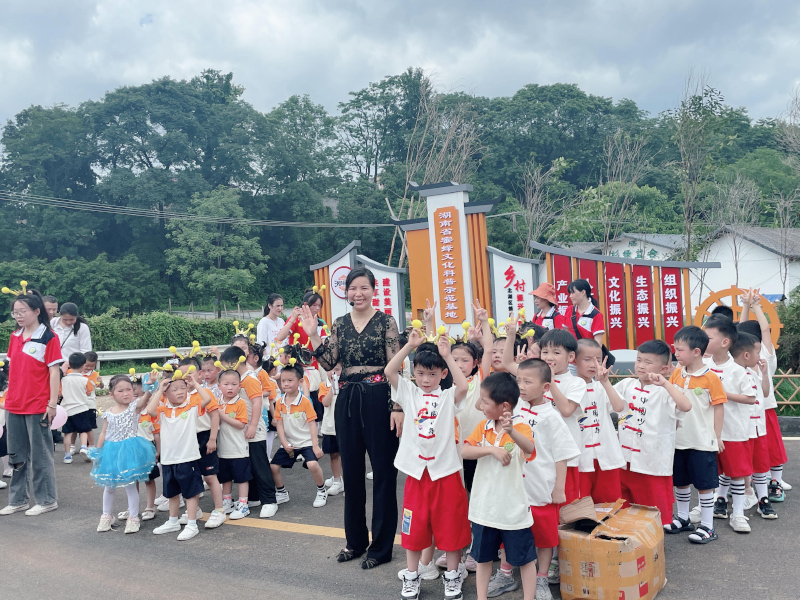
[615,305]
[515,290]
[384,299]
[671,302]
[562,275]
[447,237]
[644,319]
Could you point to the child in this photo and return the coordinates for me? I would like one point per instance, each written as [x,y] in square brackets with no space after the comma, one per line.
[268,376]
[122,458]
[499,509]
[735,458]
[179,450]
[647,429]
[76,390]
[90,370]
[747,353]
[150,431]
[601,455]
[334,485]
[297,431]
[699,438]
[435,503]
[256,433]
[234,453]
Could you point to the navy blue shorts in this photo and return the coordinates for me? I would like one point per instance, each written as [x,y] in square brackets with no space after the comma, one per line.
[155,473]
[83,422]
[695,467]
[183,478]
[285,461]
[329,444]
[208,463]
[519,545]
[235,469]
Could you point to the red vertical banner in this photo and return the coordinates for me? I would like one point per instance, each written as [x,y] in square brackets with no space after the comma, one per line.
[671,302]
[588,271]
[615,305]
[451,267]
[642,297]
[562,275]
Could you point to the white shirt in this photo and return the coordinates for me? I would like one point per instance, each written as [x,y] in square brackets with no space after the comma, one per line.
[736,424]
[470,416]
[697,428]
[69,341]
[758,416]
[647,428]
[75,399]
[231,442]
[179,434]
[429,435]
[772,367]
[296,428]
[553,444]
[267,330]
[574,388]
[598,437]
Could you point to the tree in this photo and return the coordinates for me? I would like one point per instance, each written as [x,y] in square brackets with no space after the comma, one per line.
[786,214]
[216,257]
[738,201]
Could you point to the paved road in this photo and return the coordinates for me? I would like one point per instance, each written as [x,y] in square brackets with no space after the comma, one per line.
[59,555]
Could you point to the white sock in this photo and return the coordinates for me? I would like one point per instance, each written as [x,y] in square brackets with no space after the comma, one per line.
[761,483]
[192,523]
[173,520]
[724,486]
[777,473]
[707,509]
[737,495]
[682,498]
[6,465]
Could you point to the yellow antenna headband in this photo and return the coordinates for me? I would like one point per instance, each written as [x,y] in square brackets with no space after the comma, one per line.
[219,365]
[243,332]
[20,292]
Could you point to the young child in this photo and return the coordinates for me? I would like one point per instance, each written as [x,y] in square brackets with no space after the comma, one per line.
[122,458]
[647,429]
[435,503]
[179,450]
[335,484]
[234,453]
[601,455]
[747,353]
[91,372]
[149,430]
[698,440]
[76,391]
[736,457]
[297,431]
[498,508]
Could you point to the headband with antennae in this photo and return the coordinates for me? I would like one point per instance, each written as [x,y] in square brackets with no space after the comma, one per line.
[229,367]
[242,332]
[22,292]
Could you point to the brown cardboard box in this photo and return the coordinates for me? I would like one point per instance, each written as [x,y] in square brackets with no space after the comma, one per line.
[622,558]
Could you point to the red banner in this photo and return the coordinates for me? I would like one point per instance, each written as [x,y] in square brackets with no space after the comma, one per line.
[671,302]
[448,254]
[588,271]
[642,298]
[615,306]
[562,275]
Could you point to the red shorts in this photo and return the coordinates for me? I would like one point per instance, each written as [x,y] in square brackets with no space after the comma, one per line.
[572,486]
[777,451]
[760,454]
[648,490]
[602,486]
[736,460]
[435,509]
[545,525]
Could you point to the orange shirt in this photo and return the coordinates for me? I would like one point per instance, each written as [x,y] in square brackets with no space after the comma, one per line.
[268,384]
[485,431]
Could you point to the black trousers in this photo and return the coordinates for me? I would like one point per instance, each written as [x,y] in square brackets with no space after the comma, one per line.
[263,482]
[362,426]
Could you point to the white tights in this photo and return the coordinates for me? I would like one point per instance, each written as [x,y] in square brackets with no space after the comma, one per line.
[133,500]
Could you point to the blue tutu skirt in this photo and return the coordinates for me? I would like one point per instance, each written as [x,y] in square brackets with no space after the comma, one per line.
[118,464]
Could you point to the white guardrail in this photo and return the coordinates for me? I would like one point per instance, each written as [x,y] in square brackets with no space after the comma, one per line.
[142,354]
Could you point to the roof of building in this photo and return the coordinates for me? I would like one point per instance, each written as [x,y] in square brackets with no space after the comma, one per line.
[769,238]
[671,241]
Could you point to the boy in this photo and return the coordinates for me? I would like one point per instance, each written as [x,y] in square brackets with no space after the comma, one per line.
[234,454]
[747,354]
[735,458]
[699,439]
[647,429]
[435,505]
[76,392]
[601,455]
[256,433]
[498,507]
[91,372]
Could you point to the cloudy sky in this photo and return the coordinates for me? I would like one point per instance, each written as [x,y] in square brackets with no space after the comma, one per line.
[52,51]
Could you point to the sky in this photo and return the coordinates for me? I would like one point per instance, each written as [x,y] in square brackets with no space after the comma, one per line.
[54,52]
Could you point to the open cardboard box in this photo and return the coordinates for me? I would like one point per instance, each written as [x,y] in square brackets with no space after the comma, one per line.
[607,552]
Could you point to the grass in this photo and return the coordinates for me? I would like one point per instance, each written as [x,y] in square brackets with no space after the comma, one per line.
[114,367]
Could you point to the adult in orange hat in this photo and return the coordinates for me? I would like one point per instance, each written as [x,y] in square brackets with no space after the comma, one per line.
[547,316]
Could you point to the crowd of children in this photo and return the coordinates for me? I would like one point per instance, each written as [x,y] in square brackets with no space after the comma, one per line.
[502,427]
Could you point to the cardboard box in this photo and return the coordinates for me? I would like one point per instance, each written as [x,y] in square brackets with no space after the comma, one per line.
[607,552]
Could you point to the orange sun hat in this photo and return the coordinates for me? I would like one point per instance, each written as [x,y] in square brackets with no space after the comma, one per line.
[545,291]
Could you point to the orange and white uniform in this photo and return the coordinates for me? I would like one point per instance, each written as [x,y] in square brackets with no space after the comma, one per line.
[296,415]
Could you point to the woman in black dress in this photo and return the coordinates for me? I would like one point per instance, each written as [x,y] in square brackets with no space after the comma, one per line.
[364,341]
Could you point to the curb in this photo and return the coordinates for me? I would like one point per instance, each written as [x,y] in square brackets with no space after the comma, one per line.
[790,426]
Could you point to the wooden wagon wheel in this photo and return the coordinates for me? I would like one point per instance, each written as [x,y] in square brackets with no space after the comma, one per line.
[715,299]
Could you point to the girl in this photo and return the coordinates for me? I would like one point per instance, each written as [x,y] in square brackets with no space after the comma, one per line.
[271,323]
[583,318]
[122,457]
[296,322]
[72,330]
[548,316]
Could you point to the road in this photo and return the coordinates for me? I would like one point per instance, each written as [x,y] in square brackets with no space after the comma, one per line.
[60,556]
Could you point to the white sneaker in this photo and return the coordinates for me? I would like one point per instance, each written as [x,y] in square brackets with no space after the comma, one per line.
[268,510]
[253,503]
[185,517]
[281,497]
[410,587]
[227,505]
[336,488]
[3,485]
[132,526]
[500,583]
[72,449]
[543,589]
[750,500]
[215,519]
[39,509]
[441,562]
[205,485]
[784,485]
[188,533]
[553,572]
[321,499]
[123,516]
[240,512]
[161,500]
[694,515]
[8,473]
[369,475]
[329,481]
[167,528]
[11,509]
[427,572]
[452,585]
[164,507]
[106,521]
[739,523]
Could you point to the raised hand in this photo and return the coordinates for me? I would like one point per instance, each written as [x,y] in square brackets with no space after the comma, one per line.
[444,345]
[309,321]
[506,422]
[415,338]
[511,326]
[481,314]
[430,311]
[602,372]
[657,379]
[474,333]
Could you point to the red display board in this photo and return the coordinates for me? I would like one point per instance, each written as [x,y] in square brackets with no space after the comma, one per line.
[642,301]
[671,302]
[562,275]
[615,305]
[588,271]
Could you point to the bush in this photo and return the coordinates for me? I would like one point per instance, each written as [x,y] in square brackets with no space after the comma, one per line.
[110,331]
[789,342]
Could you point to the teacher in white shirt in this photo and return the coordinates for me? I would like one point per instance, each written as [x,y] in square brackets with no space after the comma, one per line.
[72,330]
[271,323]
